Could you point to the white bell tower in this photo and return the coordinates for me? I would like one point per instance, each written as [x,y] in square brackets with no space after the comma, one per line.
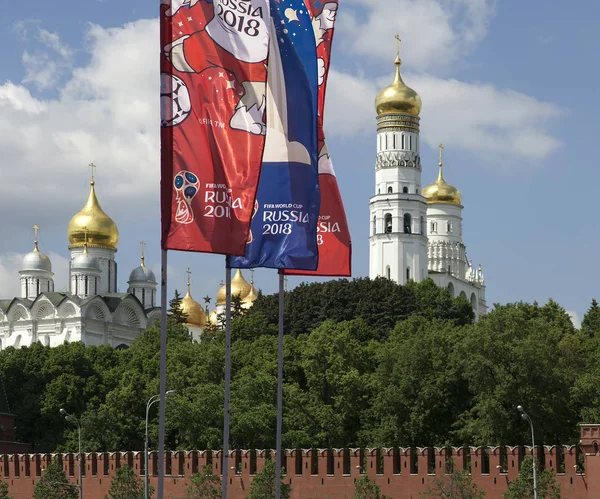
[398,211]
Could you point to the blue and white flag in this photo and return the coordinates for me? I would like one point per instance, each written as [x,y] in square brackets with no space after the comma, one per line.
[286,211]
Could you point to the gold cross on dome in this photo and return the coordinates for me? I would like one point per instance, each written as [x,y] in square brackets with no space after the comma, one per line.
[92,166]
[397,37]
[441,149]
[35,232]
[251,276]
[189,273]
[143,245]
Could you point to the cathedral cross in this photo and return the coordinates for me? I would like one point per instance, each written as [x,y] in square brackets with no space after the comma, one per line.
[441,149]
[252,276]
[189,273]
[92,166]
[35,236]
[397,37]
[143,245]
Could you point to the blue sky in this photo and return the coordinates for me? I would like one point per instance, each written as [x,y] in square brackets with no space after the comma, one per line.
[509,87]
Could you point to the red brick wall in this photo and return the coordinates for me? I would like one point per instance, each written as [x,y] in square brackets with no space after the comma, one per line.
[401,473]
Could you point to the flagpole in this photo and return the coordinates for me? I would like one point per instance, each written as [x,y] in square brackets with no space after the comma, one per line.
[278,455]
[225,467]
[163,373]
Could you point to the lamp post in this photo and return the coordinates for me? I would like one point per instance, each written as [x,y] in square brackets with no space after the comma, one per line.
[151,400]
[526,417]
[73,419]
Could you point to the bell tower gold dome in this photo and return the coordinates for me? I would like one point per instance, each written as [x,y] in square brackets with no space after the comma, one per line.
[239,287]
[440,191]
[398,98]
[101,230]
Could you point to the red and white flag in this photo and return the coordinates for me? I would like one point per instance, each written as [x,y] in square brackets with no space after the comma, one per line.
[333,235]
[213,86]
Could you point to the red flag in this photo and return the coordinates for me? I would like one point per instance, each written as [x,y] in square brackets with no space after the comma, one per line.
[333,235]
[213,82]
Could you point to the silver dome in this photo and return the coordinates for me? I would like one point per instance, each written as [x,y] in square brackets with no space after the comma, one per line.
[36,260]
[142,274]
[85,261]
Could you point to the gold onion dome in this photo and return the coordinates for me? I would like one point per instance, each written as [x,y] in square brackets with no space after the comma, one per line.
[250,297]
[440,191]
[239,287]
[398,98]
[101,229]
[193,310]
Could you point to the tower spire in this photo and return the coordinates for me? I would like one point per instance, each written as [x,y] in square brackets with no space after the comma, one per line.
[35,238]
[441,149]
[189,273]
[143,245]
[92,166]
[398,40]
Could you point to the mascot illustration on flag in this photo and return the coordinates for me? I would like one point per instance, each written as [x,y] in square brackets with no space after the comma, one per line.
[234,35]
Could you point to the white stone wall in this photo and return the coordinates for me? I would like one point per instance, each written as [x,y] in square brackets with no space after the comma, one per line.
[108,267]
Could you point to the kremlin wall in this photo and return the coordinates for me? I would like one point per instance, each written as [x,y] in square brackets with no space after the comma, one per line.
[329,473]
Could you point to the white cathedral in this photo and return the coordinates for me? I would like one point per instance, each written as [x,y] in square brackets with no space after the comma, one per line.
[91,311]
[416,232]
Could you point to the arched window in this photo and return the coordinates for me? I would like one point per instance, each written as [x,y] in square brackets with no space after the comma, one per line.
[474,301]
[374,224]
[388,223]
[388,272]
[407,223]
[449,226]
[451,288]
[378,191]
[408,273]
[405,190]
[422,226]
[390,190]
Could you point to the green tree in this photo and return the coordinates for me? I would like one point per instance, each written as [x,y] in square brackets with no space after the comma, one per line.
[590,325]
[263,484]
[419,389]
[204,485]
[522,486]
[366,488]
[457,485]
[4,491]
[127,485]
[519,352]
[54,484]
[176,314]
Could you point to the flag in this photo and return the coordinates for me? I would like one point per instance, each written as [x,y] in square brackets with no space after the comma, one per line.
[213,96]
[333,234]
[284,225]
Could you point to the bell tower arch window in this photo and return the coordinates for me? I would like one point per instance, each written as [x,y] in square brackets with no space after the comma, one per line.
[374,224]
[390,190]
[407,223]
[388,223]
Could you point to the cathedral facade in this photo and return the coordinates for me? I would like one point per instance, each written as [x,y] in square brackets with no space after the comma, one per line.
[92,311]
[416,233]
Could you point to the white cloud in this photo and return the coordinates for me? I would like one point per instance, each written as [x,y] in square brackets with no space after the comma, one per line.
[106,113]
[434,32]
[477,117]
[574,318]
[10,264]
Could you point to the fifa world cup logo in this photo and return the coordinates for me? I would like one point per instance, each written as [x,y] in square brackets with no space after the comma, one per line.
[186,187]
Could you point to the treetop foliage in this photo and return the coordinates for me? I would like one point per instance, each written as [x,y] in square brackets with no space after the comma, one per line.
[366,363]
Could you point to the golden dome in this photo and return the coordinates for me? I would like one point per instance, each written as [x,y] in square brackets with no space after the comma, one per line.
[440,191]
[213,318]
[239,287]
[100,228]
[398,98]
[193,310]
[250,297]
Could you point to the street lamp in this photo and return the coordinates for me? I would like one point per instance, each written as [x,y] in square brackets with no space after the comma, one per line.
[526,417]
[72,419]
[151,400]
